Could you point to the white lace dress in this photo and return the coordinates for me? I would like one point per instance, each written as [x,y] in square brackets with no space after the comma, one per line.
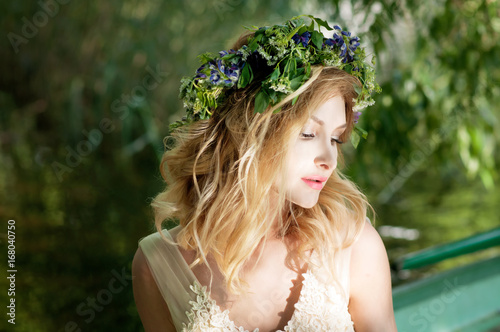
[319,307]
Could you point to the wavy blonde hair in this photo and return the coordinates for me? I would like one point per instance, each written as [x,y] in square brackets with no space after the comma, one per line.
[221,174]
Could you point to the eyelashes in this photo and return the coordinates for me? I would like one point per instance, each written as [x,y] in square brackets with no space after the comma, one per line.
[333,140]
[338,141]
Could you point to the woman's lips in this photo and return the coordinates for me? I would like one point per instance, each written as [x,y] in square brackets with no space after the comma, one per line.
[315,182]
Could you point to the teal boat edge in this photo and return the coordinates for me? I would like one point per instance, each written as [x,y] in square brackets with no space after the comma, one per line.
[446,251]
[455,300]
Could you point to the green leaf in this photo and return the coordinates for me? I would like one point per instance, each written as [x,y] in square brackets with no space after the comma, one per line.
[253,27]
[290,67]
[296,82]
[297,21]
[261,101]
[302,30]
[357,88]
[317,39]
[311,26]
[277,110]
[293,32]
[294,100]
[308,69]
[276,74]
[254,44]
[273,95]
[321,22]
[287,66]
[361,131]
[246,76]
[229,56]
[355,139]
[205,57]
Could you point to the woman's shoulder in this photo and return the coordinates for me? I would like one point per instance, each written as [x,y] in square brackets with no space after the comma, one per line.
[169,234]
[368,251]
[151,306]
[141,269]
[140,266]
[367,240]
[370,283]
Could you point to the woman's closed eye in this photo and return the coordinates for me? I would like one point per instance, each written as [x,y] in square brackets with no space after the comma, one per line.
[333,140]
[336,140]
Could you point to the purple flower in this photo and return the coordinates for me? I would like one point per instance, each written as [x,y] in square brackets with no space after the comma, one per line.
[354,39]
[220,65]
[336,40]
[222,71]
[304,38]
[232,73]
[330,42]
[343,50]
[214,76]
[353,44]
[340,40]
[199,73]
[356,116]
[233,70]
[223,53]
[346,50]
[353,47]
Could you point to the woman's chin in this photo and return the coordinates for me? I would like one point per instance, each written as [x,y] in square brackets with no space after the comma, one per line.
[306,204]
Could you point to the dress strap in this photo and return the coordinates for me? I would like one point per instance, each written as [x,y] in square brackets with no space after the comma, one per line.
[171,273]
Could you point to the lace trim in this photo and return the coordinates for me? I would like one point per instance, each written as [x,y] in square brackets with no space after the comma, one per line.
[206,315]
[319,308]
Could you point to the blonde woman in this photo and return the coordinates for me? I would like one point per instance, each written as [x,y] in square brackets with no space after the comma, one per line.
[271,236]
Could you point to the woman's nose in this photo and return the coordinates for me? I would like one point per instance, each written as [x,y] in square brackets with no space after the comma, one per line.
[327,157]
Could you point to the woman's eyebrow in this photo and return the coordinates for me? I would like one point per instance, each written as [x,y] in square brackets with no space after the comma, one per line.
[318,121]
[321,122]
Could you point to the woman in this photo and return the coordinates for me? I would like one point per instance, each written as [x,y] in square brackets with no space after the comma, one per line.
[271,236]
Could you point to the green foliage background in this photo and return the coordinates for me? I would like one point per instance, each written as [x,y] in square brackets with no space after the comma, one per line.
[430,161]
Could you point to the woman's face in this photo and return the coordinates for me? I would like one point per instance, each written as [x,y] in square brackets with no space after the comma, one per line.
[312,157]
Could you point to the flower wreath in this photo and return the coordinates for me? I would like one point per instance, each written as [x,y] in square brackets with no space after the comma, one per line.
[287,52]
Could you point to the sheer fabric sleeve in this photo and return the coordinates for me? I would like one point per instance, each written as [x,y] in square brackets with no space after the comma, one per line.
[172,275]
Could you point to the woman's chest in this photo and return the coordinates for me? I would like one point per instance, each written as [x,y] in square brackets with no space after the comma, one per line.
[269,302]
[318,308]
[278,300]
[273,290]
